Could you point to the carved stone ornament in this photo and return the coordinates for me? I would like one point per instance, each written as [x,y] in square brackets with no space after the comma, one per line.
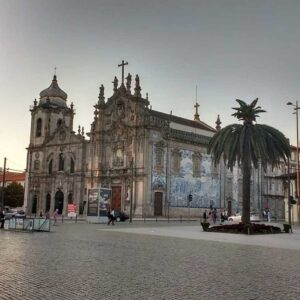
[120,109]
[62,135]
[159,155]
[118,155]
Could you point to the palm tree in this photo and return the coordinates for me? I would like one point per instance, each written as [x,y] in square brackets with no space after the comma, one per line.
[248,144]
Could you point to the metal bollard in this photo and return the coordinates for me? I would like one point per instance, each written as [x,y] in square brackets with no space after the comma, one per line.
[76,219]
[62,218]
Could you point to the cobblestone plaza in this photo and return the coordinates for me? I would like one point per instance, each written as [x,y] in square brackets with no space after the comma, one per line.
[147,261]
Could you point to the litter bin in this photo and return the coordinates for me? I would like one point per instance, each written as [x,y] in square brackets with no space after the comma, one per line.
[287,228]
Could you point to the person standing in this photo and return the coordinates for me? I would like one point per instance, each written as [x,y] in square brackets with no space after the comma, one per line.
[108,216]
[205,217]
[225,214]
[214,215]
[269,215]
[210,216]
[2,218]
[222,217]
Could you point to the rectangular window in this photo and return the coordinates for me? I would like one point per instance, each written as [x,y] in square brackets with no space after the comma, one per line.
[36,164]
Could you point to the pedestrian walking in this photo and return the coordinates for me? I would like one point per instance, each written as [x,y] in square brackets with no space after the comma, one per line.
[111,217]
[55,216]
[47,215]
[41,214]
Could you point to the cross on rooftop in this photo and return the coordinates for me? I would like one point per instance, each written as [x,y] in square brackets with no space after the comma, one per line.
[196,106]
[122,65]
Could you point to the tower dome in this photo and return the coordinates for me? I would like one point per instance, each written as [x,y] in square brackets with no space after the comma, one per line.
[54,94]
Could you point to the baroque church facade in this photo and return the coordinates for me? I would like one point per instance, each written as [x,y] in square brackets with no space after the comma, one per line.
[153,162]
[153,159]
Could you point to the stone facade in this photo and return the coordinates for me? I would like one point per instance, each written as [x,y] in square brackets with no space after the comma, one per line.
[157,159]
[153,159]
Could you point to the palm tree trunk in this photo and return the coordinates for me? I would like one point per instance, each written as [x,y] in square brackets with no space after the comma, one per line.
[246,191]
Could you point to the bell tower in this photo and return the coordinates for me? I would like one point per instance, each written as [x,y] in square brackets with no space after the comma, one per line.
[49,113]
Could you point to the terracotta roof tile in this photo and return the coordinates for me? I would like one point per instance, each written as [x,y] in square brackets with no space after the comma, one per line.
[12,176]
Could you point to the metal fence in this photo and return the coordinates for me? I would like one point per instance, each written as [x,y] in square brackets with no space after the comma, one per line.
[28,224]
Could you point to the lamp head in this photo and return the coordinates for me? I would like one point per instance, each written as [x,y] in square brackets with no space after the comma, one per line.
[289,103]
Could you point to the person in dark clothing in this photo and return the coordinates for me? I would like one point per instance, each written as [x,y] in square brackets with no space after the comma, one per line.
[214,215]
[111,217]
[2,218]
[205,217]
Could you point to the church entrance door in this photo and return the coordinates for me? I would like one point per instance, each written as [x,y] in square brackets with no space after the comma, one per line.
[34,204]
[158,203]
[116,197]
[59,201]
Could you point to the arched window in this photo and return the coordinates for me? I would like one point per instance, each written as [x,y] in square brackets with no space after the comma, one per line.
[38,131]
[72,167]
[196,158]
[176,155]
[59,122]
[50,166]
[61,162]
[70,198]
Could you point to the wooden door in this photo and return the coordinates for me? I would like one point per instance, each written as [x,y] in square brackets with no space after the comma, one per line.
[59,201]
[158,203]
[116,197]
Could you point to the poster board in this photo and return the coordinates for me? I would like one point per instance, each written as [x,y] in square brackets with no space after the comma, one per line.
[72,210]
[93,200]
[104,201]
[99,200]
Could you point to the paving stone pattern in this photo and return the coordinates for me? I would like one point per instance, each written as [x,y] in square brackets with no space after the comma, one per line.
[81,261]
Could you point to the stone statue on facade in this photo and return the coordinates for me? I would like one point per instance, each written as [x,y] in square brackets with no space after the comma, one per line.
[115,82]
[128,83]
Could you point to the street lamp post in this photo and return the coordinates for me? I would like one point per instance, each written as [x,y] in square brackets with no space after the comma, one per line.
[296,108]
[3,185]
[289,193]
[131,192]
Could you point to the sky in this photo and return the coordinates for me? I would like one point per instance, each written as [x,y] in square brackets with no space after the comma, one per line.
[229,49]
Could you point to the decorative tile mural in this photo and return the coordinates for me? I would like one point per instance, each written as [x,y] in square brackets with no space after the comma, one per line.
[204,189]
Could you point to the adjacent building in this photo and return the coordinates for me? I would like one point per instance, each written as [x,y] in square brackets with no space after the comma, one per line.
[10,177]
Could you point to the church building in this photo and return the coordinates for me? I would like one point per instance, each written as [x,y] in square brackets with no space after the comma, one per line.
[156,160]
